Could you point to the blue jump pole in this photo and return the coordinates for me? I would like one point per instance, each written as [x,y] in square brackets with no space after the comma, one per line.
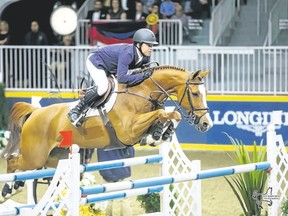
[163,180]
[35,174]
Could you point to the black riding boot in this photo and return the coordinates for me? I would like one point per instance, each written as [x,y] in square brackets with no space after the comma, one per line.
[75,114]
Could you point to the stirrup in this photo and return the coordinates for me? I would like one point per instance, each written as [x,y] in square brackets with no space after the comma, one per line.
[79,121]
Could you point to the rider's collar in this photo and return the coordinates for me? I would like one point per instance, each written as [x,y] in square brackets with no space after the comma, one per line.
[139,55]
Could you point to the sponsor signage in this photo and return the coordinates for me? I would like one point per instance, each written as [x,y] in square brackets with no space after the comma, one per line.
[243,120]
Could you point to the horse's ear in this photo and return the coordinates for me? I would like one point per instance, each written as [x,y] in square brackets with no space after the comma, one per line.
[204,73]
[195,74]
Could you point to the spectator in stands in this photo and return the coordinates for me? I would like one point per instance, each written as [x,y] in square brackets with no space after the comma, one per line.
[39,38]
[118,207]
[129,8]
[4,33]
[167,9]
[183,17]
[155,27]
[116,11]
[35,36]
[148,5]
[98,13]
[140,15]
[62,62]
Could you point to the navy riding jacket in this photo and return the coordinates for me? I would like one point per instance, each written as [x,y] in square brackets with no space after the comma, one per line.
[118,59]
[114,175]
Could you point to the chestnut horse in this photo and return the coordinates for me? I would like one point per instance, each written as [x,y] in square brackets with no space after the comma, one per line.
[35,131]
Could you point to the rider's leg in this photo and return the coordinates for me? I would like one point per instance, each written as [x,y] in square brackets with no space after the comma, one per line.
[93,94]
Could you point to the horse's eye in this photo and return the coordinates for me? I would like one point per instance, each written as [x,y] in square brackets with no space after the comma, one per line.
[195,94]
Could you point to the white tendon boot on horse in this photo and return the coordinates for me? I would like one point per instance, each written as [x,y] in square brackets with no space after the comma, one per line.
[152,142]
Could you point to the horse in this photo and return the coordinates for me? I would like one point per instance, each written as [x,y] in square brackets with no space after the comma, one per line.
[136,111]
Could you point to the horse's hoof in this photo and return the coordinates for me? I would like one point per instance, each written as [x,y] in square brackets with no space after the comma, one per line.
[169,132]
[6,191]
[156,135]
[143,141]
[18,184]
[158,131]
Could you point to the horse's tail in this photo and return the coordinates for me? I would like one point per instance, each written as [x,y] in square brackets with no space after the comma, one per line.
[19,114]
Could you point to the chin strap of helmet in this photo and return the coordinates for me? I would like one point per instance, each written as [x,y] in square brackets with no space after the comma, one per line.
[140,44]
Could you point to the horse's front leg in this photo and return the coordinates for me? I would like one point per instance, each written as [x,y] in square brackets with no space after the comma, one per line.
[161,134]
[156,121]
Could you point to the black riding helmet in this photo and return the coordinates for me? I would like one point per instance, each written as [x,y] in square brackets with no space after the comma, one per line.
[144,35]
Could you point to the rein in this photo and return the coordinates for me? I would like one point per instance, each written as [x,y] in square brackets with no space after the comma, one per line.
[155,102]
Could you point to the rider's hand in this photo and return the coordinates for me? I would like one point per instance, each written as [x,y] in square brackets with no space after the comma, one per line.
[81,93]
[147,73]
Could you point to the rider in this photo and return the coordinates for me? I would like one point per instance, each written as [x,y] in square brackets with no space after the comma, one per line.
[116,59]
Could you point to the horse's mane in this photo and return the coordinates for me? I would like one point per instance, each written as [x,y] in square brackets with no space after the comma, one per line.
[162,67]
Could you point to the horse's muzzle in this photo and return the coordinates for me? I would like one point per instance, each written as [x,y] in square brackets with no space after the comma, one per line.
[204,127]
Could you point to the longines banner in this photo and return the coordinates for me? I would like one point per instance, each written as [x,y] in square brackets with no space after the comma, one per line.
[244,118]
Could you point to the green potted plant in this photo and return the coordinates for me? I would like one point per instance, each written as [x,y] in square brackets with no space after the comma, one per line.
[284,208]
[151,202]
[244,184]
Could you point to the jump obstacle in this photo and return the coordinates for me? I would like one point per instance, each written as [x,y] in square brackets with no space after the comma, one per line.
[276,157]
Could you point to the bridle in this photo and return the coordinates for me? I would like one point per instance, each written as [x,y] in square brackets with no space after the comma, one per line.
[190,117]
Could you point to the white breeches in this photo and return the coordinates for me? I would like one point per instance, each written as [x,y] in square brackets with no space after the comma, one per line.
[98,76]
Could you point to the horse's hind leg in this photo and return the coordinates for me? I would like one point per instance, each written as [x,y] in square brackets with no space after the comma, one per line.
[14,163]
[7,190]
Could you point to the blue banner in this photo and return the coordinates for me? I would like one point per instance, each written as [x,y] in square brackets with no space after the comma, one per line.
[245,121]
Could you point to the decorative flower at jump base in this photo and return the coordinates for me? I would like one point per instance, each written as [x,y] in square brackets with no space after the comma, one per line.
[90,209]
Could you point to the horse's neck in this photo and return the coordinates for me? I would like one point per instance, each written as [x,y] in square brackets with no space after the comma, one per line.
[164,83]
[169,78]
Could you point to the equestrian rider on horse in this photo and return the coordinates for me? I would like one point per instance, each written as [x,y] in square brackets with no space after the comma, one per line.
[116,59]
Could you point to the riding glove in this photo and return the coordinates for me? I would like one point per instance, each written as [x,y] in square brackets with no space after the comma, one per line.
[147,73]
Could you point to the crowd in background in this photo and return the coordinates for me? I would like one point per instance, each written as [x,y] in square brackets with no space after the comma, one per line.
[123,10]
[108,10]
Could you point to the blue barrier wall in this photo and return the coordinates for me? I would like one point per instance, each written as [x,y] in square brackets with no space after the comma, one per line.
[243,117]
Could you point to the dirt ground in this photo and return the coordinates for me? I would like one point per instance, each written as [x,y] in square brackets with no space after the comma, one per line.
[217,197]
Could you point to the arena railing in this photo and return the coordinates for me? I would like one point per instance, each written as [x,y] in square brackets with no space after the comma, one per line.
[234,70]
